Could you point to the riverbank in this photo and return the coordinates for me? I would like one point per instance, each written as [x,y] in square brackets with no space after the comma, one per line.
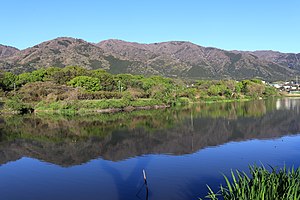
[292,95]
[79,90]
[83,107]
[89,106]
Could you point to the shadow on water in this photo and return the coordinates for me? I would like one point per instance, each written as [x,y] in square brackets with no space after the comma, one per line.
[133,179]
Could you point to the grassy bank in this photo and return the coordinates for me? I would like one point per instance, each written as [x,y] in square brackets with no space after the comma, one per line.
[107,105]
[99,106]
[222,100]
[262,184]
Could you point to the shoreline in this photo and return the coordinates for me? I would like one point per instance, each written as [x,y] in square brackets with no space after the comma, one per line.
[105,110]
[291,95]
[94,110]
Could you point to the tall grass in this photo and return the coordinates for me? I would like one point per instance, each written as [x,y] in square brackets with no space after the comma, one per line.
[263,184]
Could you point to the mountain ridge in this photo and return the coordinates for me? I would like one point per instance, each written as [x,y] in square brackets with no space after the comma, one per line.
[6,51]
[172,59]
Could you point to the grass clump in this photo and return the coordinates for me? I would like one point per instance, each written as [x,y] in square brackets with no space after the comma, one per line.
[15,104]
[263,184]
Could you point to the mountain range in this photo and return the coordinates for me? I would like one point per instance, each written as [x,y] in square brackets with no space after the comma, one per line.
[170,59]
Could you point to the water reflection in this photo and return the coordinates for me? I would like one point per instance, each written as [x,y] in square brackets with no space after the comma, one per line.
[102,156]
[68,141]
[288,104]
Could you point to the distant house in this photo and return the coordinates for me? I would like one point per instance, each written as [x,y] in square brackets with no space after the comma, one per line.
[276,85]
[287,86]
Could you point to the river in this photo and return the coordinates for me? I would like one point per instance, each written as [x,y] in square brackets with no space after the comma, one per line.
[181,149]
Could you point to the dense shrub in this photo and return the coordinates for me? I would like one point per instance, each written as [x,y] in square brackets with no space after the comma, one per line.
[136,93]
[188,92]
[253,89]
[37,91]
[107,81]
[182,101]
[86,82]
[35,76]
[64,75]
[7,80]
[270,91]
[15,104]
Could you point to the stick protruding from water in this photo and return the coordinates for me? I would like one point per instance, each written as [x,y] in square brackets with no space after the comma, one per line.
[145,177]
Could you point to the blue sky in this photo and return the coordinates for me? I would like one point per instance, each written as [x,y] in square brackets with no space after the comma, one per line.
[225,24]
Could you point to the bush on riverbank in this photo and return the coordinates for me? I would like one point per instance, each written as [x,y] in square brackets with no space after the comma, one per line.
[53,85]
[263,184]
[16,105]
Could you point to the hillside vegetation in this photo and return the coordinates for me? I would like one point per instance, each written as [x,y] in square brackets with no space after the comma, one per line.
[170,59]
[79,90]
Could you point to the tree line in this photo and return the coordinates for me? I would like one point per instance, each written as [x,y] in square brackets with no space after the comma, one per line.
[77,83]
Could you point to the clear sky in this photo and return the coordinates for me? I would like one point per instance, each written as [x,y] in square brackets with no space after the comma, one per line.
[225,24]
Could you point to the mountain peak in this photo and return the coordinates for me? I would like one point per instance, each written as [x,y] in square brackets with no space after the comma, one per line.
[173,59]
[6,51]
[61,42]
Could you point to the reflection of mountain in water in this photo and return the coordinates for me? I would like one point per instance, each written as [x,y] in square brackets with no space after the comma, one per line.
[75,140]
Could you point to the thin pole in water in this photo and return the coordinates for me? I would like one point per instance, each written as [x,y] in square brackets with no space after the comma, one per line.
[145,184]
[145,177]
[145,181]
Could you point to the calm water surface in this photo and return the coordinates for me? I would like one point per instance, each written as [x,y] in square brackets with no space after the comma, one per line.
[181,149]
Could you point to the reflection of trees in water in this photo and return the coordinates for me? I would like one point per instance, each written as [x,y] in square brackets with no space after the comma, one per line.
[76,127]
[234,109]
[73,140]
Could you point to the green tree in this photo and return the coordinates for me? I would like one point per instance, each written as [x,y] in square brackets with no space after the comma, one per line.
[35,76]
[270,91]
[24,78]
[253,89]
[51,73]
[66,74]
[38,75]
[86,82]
[214,90]
[129,80]
[157,83]
[16,104]
[107,80]
[238,87]
[7,81]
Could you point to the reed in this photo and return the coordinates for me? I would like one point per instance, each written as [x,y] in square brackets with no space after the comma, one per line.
[262,184]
